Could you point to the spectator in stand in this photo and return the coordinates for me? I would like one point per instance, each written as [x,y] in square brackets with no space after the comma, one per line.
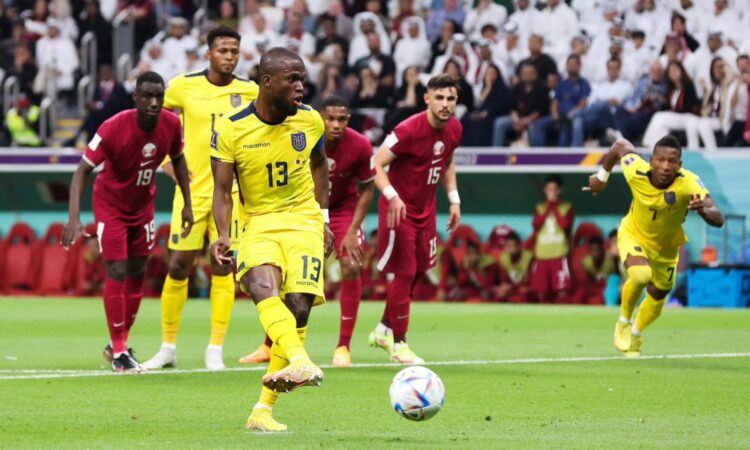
[595,21]
[25,70]
[515,264]
[604,45]
[509,52]
[92,20]
[529,100]
[646,16]
[142,14]
[177,44]
[638,58]
[253,46]
[364,24]
[58,61]
[597,266]
[459,51]
[603,102]
[632,117]
[155,60]
[409,100]
[36,23]
[331,84]
[553,220]
[738,96]
[404,11]
[489,33]
[679,29]
[694,18]
[22,122]
[683,107]
[465,102]
[440,45]
[110,98]
[6,24]
[413,49]
[546,68]
[382,65]
[344,23]
[274,18]
[371,94]
[675,49]
[579,46]
[451,10]
[698,64]
[484,51]
[725,18]
[525,16]
[295,32]
[60,10]
[475,275]
[378,8]
[556,24]
[93,269]
[327,35]
[716,107]
[484,12]
[493,99]
[570,96]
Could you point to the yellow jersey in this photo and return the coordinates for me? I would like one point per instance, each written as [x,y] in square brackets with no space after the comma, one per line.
[656,215]
[201,104]
[272,166]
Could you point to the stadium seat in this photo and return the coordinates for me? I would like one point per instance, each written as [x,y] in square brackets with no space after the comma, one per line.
[51,262]
[19,249]
[585,232]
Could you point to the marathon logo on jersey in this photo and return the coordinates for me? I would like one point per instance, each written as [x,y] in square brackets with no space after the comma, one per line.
[299,141]
[235,100]
[149,150]
[214,140]
[438,148]
[670,197]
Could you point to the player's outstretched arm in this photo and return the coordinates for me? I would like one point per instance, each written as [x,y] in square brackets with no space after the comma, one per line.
[396,206]
[352,245]
[451,188]
[598,181]
[707,209]
[222,208]
[319,169]
[74,227]
[182,176]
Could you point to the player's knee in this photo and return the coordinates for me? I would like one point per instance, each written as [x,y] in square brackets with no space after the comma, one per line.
[640,274]
[137,272]
[258,287]
[116,270]
[300,306]
[179,267]
[351,272]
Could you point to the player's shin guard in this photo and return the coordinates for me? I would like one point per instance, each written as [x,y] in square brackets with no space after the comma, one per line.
[351,294]
[115,310]
[638,279]
[133,297]
[278,361]
[173,297]
[222,301]
[281,326]
[649,311]
[398,303]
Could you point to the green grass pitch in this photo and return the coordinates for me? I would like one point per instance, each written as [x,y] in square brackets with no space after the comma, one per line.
[501,400]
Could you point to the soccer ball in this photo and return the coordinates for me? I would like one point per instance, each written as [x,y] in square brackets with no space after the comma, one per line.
[417,393]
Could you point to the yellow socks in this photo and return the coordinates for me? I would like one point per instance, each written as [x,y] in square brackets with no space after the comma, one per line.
[173,297]
[649,311]
[278,361]
[222,301]
[638,279]
[281,326]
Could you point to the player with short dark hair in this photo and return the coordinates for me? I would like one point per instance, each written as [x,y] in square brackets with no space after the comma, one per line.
[201,98]
[275,148]
[131,145]
[651,234]
[419,153]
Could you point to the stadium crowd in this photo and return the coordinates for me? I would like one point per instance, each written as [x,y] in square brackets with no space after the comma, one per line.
[533,72]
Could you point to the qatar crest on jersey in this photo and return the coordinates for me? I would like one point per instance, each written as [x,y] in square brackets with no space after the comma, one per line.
[235,100]
[438,148]
[670,197]
[299,141]
[149,150]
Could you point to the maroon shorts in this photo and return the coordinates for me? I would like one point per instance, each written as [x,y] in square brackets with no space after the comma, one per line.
[119,240]
[406,249]
[339,225]
[550,275]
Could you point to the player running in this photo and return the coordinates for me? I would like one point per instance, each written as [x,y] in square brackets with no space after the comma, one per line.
[131,145]
[350,161]
[275,146]
[202,98]
[651,234]
[419,152]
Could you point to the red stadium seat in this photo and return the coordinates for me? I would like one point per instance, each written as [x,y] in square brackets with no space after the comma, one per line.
[457,242]
[585,232]
[51,262]
[19,249]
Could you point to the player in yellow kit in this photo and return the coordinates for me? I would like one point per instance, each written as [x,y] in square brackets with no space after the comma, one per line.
[651,234]
[201,98]
[275,146]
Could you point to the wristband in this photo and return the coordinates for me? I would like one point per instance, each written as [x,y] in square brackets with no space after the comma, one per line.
[454,198]
[602,175]
[390,193]
[326,217]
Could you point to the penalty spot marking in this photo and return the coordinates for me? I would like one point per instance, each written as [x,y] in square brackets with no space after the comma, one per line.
[31,374]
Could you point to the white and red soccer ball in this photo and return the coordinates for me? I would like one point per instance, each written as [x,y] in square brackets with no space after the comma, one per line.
[417,393]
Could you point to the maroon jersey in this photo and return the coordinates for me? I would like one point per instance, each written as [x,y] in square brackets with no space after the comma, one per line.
[422,155]
[126,187]
[349,161]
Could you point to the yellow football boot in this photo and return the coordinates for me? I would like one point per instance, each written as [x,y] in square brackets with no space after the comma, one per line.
[634,350]
[261,355]
[262,420]
[342,357]
[622,336]
[301,372]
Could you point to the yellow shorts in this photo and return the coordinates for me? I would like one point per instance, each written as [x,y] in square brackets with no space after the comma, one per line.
[203,220]
[299,255]
[663,263]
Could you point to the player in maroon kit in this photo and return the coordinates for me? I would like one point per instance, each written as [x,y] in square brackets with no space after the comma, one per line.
[349,162]
[419,152]
[132,145]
